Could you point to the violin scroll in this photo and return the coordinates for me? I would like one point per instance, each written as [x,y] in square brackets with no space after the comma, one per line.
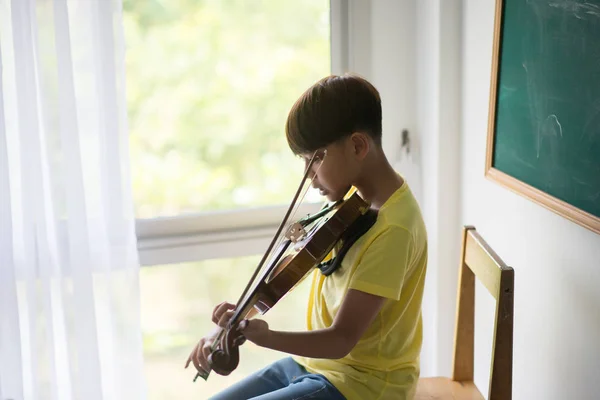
[226,357]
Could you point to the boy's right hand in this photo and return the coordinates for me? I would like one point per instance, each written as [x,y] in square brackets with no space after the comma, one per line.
[199,355]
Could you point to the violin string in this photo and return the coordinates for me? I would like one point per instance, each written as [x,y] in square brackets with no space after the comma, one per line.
[297,204]
[267,266]
[242,302]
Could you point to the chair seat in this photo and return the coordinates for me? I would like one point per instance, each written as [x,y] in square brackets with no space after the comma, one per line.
[446,389]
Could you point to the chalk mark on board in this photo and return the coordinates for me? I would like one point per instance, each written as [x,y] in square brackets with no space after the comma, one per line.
[583,183]
[579,10]
[551,127]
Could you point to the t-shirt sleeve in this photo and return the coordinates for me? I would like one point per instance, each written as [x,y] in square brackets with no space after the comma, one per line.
[383,266]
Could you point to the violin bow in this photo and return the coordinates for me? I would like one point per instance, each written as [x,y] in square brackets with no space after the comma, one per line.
[261,263]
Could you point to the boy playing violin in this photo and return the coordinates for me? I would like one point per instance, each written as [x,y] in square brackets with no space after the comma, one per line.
[364,319]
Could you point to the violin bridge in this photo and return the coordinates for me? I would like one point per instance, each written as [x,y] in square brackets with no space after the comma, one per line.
[295,232]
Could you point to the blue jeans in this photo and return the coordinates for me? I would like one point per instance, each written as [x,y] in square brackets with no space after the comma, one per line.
[282,380]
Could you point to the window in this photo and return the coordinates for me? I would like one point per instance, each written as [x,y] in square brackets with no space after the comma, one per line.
[209,86]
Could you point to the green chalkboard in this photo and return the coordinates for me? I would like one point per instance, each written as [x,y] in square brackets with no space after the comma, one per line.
[544,133]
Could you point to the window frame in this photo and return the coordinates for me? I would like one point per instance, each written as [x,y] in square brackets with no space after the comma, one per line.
[237,232]
[210,235]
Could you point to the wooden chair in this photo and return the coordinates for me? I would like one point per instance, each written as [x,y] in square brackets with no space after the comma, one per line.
[477,260]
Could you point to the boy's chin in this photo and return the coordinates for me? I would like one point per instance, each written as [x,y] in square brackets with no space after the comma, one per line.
[333,197]
[336,195]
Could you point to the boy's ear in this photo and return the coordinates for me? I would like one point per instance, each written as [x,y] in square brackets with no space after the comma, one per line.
[361,144]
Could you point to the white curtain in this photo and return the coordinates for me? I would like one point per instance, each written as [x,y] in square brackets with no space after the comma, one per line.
[69,283]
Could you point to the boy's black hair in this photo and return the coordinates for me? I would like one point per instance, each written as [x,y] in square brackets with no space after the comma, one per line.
[334,107]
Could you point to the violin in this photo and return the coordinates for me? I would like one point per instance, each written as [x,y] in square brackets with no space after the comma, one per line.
[288,259]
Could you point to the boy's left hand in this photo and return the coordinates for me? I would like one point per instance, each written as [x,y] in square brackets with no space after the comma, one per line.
[256,330]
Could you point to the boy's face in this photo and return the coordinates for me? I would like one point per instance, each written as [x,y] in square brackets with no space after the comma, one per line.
[333,170]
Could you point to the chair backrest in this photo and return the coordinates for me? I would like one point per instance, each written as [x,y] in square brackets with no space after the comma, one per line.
[479,260]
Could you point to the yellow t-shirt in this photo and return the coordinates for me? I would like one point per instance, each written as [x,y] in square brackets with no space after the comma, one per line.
[389,260]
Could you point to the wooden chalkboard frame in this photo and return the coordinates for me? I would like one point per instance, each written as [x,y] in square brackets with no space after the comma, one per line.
[552,203]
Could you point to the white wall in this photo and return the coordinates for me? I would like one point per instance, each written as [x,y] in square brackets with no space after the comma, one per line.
[410,50]
[556,262]
[388,64]
[438,128]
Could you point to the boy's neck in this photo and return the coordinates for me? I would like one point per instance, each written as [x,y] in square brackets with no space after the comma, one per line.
[378,182]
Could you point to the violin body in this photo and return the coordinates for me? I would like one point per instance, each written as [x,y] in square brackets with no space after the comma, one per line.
[317,244]
[307,242]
